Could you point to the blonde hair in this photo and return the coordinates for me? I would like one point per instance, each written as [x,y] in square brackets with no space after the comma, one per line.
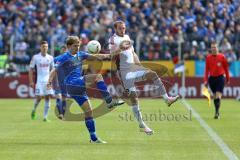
[115,24]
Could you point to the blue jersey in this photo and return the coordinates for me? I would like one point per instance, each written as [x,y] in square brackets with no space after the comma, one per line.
[69,67]
[70,75]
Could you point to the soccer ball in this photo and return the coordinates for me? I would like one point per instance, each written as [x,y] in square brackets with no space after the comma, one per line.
[93,47]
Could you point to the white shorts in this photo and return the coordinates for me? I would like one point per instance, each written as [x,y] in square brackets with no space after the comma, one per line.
[131,75]
[41,90]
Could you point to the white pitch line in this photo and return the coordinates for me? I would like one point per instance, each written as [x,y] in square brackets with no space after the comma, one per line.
[223,146]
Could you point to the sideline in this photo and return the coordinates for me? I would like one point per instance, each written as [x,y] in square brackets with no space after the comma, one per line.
[214,136]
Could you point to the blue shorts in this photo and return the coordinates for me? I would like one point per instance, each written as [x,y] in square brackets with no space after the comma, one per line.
[80,99]
[216,83]
[77,90]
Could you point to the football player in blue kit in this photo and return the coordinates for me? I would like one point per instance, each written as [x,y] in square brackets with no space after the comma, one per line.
[68,67]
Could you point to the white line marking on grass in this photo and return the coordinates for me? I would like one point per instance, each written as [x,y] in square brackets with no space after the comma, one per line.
[223,146]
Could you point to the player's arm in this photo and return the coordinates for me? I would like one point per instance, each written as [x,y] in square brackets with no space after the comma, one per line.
[30,76]
[225,66]
[115,52]
[113,48]
[52,75]
[135,56]
[99,57]
[125,45]
[30,72]
[136,59]
[206,72]
[52,64]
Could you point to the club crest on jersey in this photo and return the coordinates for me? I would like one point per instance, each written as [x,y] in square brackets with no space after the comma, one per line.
[219,64]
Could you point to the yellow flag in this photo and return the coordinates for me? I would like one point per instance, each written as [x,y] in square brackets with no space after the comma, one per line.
[206,93]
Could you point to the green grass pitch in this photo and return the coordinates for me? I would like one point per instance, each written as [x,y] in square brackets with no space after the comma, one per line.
[181,137]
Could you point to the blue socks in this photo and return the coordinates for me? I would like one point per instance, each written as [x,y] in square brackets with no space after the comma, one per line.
[103,89]
[63,106]
[59,106]
[90,124]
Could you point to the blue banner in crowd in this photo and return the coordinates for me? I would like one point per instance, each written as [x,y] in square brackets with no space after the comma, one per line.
[234,68]
[199,68]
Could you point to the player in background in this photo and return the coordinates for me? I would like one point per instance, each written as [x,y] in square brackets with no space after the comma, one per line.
[43,63]
[215,69]
[132,71]
[69,68]
[60,94]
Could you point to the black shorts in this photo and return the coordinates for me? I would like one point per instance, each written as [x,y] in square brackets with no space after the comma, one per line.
[216,83]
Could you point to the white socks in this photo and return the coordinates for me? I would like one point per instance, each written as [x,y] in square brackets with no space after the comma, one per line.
[165,96]
[138,115]
[158,82]
[46,108]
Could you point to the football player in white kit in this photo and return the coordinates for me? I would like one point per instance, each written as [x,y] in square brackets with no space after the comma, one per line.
[43,63]
[132,71]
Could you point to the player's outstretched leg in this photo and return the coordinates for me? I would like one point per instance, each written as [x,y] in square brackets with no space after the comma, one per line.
[105,94]
[150,75]
[171,100]
[36,103]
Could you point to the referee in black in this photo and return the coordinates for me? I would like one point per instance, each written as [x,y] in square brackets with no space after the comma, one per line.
[216,75]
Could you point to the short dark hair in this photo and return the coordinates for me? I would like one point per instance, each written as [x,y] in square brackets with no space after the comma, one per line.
[63,46]
[44,42]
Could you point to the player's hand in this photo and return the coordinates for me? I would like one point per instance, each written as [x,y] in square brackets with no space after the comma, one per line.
[227,82]
[49,85]
[125,45]
[206,84]
[104,56]
[108,56]
[31,84]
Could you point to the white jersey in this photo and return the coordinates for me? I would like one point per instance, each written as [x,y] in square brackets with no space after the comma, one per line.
[126,56]
[44,64]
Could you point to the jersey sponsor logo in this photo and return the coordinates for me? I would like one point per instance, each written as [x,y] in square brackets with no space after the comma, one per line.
[42,65]
[219,64]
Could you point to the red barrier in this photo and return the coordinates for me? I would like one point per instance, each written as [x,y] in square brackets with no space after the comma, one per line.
[18,88]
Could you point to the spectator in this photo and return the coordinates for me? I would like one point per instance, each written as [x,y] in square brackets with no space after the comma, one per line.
[225,46]
[21,56]
[159,22]
[11,70]
[230,56]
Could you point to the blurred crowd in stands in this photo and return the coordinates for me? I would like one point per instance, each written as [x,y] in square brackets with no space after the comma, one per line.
[157,27]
